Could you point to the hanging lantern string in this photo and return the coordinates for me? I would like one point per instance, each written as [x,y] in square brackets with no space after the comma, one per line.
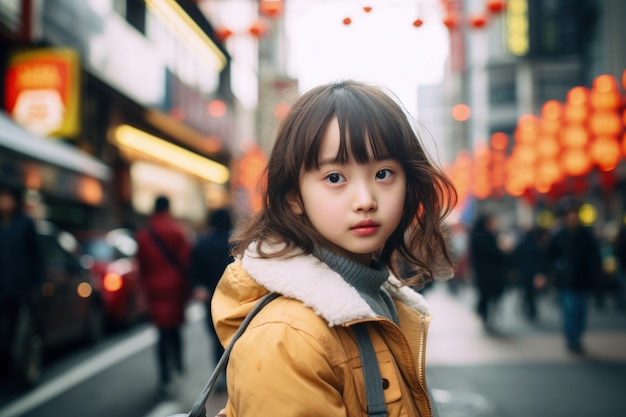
[452,14]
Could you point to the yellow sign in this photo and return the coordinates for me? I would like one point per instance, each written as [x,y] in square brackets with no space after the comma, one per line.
[517,27]
[42,93]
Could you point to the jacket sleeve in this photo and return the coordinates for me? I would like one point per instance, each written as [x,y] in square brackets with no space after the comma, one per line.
[276,370]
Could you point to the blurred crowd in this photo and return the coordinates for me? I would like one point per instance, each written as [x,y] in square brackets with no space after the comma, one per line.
[573,263]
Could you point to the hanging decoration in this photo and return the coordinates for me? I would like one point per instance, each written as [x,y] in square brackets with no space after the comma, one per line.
[271,8]
[451,18]
[478,21]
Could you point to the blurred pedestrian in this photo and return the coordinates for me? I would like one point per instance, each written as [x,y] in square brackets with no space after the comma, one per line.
[490,267]
[209,257]
[21,272]
[530,260]
[163,257]
[620,255]
[575,262]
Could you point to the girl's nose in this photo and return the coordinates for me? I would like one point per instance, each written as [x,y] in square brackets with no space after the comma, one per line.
[364,200]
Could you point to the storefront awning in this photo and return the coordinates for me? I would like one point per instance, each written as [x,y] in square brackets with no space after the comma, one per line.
[20,140]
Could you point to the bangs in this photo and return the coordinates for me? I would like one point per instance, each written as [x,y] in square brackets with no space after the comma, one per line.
[368,128]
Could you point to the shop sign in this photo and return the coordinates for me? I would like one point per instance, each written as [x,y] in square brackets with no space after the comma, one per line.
[42,91]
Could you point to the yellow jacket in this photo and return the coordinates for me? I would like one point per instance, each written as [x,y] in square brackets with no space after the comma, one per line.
[299,356]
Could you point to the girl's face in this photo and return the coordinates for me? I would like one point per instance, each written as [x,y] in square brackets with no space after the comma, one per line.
[355,207]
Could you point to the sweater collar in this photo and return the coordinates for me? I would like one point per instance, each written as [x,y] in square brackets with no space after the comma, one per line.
[311,281]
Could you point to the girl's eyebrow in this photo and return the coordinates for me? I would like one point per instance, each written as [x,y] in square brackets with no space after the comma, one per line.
[328,161]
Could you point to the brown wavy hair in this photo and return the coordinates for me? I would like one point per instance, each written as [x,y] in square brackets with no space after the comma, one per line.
[367,116]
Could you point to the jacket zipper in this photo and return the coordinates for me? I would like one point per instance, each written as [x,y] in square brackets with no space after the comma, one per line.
[421,364]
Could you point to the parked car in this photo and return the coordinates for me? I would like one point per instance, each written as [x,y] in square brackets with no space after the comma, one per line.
[67,308]
[111,257]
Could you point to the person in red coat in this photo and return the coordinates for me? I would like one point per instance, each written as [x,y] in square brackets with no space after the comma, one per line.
[163,257]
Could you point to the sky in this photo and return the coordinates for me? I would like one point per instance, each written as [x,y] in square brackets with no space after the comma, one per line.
[381,47]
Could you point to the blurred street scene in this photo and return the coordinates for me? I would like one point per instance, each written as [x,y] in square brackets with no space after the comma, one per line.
[520,370]
[107,105]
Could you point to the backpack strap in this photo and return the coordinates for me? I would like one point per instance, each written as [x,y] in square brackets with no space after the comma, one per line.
[199,407]
[376,406]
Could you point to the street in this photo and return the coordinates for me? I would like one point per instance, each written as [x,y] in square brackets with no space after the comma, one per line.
[520,370]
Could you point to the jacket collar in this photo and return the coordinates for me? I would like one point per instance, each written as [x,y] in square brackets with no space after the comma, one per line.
[311,281]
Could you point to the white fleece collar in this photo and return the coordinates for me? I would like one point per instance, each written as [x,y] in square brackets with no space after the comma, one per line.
[311,281]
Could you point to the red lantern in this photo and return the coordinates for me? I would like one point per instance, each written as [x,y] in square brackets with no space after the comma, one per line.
[367,9]
[499,141]
[271,8]
[550,171]
[605,93]
[574,136]
[575,161]
[478,21]
[605,152]
[223,33]
[575,113]
[527,129]
[578,96]
[547,147]
[451,20]
[418,22]
[495,6]
[257,29]
[605,123]
[347,21]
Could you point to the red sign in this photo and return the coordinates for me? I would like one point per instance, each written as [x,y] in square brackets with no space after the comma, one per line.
[41,91]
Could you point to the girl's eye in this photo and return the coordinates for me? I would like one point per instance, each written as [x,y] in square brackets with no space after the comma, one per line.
[335,178]
[384,174]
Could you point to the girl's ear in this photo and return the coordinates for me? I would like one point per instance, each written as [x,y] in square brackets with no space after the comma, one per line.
[295,204]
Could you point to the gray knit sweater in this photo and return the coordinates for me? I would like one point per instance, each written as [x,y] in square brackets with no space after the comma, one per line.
[367,281]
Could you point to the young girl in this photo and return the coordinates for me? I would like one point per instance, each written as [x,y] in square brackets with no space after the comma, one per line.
[350,192]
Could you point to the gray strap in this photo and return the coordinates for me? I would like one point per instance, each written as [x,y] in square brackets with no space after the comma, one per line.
[199,407]
[376,406]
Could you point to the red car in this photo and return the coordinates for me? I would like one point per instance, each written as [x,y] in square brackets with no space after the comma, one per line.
[111,256]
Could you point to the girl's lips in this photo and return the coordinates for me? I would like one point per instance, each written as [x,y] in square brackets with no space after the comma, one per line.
[363,231]
[365,227]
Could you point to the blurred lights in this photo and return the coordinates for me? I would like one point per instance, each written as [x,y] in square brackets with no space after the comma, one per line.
[545,219]
[90,191]
[188,32]
[139,141]
[217,109]
[461,112]
[517,38]
[568,139]
[587,214]
[47,290]
[112,282]
[84,290]
[499,141]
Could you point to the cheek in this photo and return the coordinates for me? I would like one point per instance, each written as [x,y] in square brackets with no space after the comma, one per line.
[397,201]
